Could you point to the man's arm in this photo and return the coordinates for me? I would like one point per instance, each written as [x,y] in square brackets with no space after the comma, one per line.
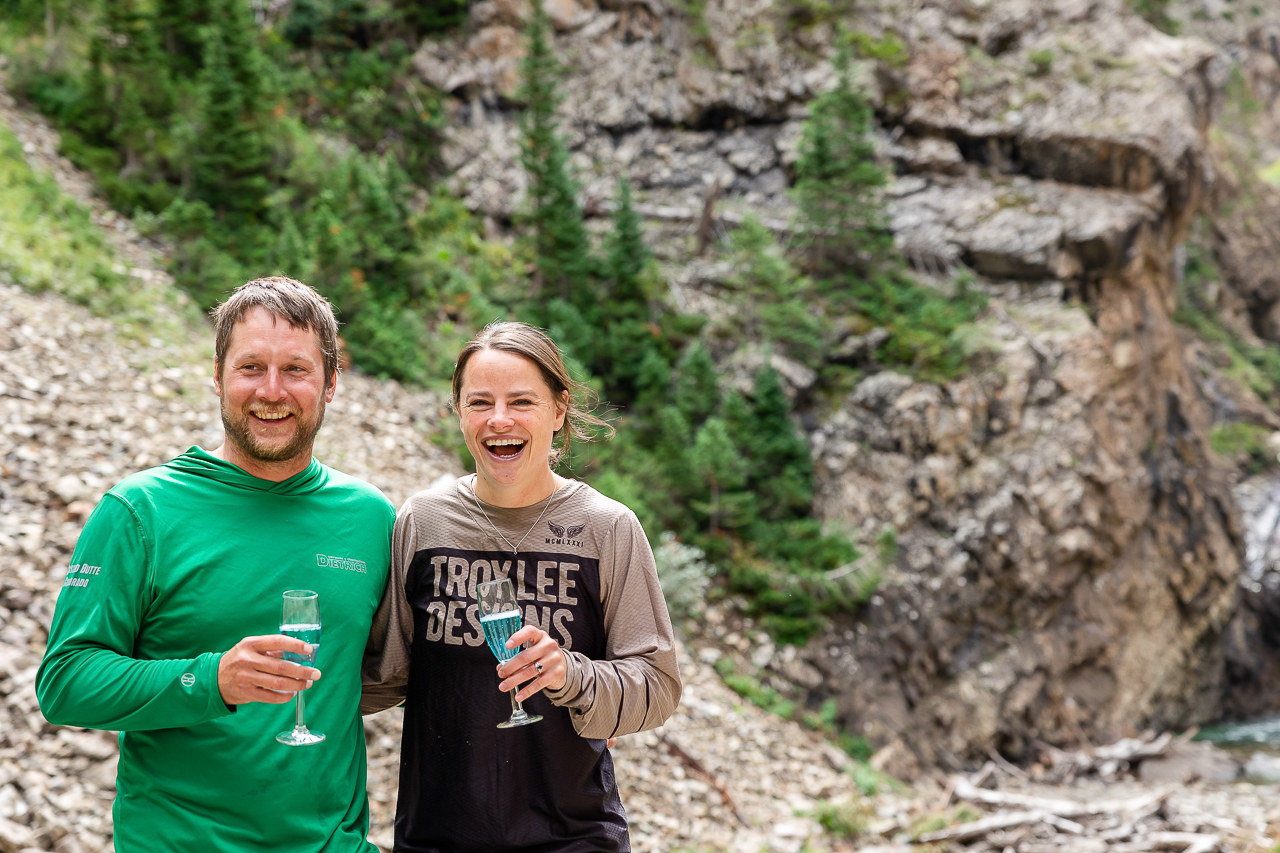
[88,676]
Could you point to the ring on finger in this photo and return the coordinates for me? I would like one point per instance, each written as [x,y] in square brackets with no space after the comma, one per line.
[538,666]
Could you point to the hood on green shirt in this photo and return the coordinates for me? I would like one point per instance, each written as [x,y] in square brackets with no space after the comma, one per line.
[201,463]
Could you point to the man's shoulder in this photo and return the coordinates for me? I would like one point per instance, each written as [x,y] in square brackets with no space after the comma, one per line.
[348,487]
[147,482]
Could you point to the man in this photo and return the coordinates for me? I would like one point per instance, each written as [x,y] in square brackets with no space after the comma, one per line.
[167,625]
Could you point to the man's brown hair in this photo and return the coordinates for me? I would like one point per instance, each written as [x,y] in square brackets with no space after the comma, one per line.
[285,299]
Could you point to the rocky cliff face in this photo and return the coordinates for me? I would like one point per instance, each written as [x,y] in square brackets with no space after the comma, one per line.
[1069,548]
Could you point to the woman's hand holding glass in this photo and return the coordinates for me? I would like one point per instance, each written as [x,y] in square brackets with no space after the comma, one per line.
[523,669]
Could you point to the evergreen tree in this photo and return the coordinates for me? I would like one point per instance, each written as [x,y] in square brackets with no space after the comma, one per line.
[179,24]
[697,391]
[777,302]
[837,177]
[627,257]
[781,465]
[292,256]
[127,82]
[716,460]
[234,21]
[230,157]
[559,235]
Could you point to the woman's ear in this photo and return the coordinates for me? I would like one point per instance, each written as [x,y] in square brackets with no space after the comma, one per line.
[562,410]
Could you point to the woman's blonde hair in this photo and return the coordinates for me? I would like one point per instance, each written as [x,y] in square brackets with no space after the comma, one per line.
[532,343]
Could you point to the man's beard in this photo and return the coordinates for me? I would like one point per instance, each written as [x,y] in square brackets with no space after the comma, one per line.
[239,434]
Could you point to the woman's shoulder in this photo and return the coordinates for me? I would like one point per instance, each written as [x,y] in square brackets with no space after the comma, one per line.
[440,494]
[601,506]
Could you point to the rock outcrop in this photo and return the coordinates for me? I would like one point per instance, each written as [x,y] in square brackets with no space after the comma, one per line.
[1069,548]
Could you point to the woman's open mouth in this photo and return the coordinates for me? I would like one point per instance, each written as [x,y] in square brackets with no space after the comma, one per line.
[504,448]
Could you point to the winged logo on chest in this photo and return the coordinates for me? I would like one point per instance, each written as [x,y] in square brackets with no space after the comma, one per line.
[566,532]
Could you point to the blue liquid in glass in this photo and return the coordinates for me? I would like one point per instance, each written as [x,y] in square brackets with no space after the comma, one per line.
[307,634]
[498,628]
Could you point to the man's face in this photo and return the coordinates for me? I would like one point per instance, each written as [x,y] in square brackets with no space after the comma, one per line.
[273,392]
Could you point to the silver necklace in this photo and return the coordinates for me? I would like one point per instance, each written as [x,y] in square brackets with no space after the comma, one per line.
[516,547]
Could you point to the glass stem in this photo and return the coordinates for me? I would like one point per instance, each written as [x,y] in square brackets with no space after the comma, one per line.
[299,724]
[517,710]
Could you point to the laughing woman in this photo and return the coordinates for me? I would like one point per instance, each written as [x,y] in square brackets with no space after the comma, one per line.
[599,655]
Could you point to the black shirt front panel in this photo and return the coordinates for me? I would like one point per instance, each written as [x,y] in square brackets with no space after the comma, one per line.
[466,785]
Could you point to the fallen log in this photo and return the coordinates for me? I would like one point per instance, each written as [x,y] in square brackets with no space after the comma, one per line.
[1196,842]
[699,769]
[1003,820]
[966,790]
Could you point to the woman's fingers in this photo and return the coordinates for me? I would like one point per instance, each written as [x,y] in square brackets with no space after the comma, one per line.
[541,665]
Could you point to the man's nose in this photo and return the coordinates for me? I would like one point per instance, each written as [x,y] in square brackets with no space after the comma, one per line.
[272,387]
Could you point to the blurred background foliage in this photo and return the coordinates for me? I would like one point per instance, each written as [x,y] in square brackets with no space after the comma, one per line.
[306,146]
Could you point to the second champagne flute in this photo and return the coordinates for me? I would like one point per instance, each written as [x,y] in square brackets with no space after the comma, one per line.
[500,618]
[301,619]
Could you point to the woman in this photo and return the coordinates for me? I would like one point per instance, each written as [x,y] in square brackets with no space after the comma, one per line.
[599,654]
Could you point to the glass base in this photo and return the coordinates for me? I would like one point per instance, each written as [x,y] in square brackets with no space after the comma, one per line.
[299,737]
[519,720]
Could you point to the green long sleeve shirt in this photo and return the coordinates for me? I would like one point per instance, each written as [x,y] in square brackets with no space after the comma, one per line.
[175,566]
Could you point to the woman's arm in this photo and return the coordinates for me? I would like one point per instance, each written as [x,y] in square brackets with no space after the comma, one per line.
[637,686]
[384,673]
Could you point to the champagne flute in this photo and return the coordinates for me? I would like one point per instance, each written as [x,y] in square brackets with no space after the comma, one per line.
[500,618]
[301,620]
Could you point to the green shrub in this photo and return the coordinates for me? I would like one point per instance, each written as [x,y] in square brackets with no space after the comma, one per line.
[684,574]
[1156,13]
[760,695]
[1041,62]
[1238,439]
[848,819]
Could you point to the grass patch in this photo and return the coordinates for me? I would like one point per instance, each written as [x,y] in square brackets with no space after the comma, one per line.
[847,819]
[760,695]
[941,820]
[48,242]
[1242,441]
[1255,367]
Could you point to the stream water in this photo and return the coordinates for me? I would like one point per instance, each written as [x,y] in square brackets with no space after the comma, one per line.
[1256,745]
[1245,738]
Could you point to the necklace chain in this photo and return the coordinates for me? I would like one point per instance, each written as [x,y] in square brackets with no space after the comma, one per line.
[516,547]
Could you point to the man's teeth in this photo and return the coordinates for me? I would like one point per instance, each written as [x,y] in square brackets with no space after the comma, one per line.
[271,416]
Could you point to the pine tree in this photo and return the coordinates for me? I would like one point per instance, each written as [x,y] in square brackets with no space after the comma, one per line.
[560,237]
[292,256]
[837,177]
[178,28]
[627,257]
[234,21]
[781,465]
[230,157]
[716,460]
[127,82]
[697,391]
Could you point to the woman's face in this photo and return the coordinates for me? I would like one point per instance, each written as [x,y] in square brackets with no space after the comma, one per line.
[508,417]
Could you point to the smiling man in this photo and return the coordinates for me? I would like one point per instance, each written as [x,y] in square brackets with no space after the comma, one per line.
[166,628]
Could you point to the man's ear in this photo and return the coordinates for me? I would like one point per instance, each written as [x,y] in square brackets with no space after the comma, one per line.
[332,387]
[217,379]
